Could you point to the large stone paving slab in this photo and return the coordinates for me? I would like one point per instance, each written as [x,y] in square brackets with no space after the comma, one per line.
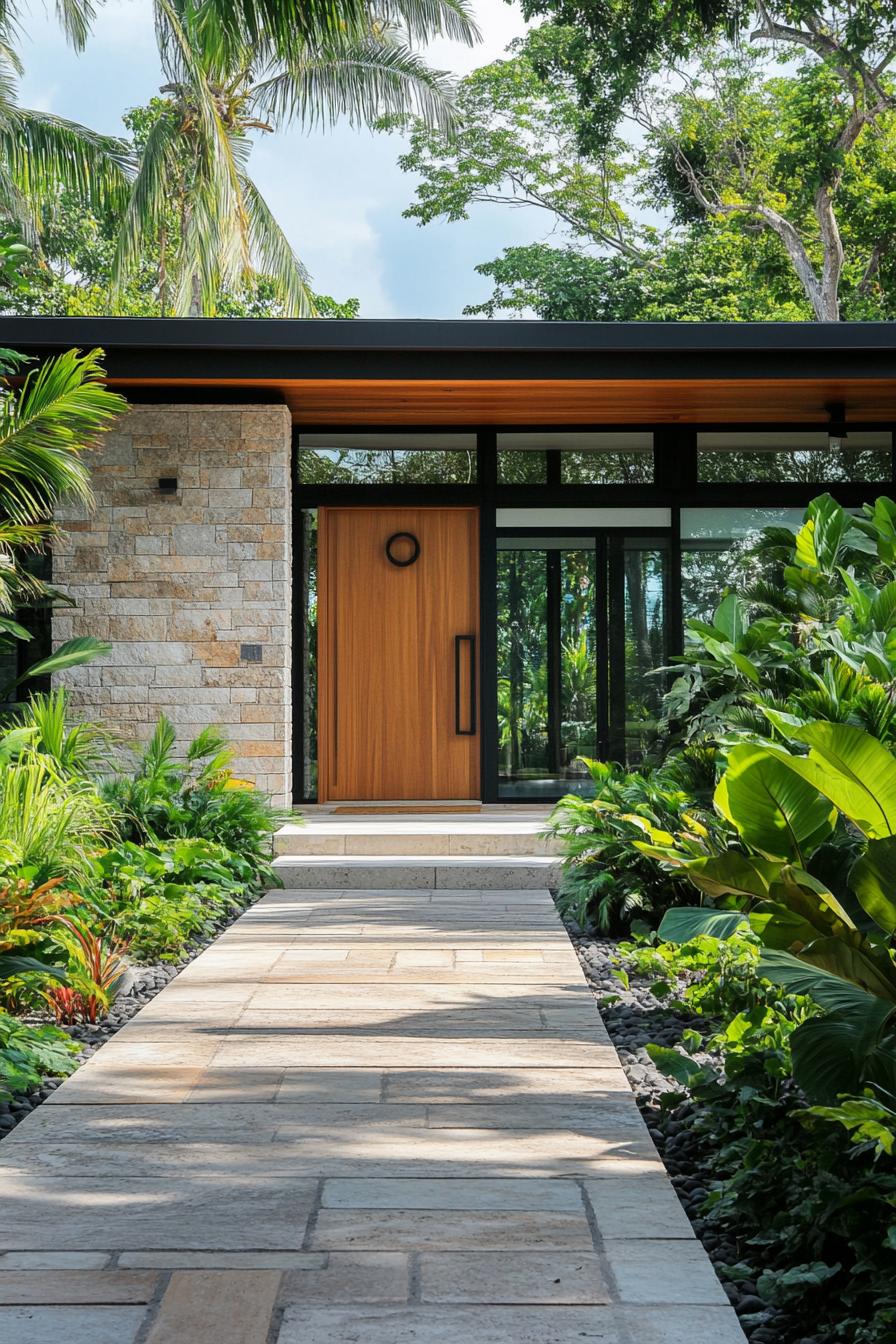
[360,1117]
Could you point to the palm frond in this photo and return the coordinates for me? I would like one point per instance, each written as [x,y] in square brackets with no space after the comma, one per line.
[274,255]
[361,80]
[43,152]
[425,19]
[61,407]
[76,19]
[148,200]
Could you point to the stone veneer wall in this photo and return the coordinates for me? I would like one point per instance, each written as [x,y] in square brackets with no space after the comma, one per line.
[177,584]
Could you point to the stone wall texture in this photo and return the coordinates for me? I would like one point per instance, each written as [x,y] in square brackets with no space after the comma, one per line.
[180,584]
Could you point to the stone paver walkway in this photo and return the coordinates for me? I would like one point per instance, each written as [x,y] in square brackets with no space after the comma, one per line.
[358,1118]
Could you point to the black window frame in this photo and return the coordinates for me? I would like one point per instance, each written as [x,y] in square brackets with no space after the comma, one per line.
[675,486]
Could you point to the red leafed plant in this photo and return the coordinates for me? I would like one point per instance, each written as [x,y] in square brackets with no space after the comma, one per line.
[95,972]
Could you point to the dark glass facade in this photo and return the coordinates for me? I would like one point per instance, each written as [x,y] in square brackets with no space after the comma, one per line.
[596,547]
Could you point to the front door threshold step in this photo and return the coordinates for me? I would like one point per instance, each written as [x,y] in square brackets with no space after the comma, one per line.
[419,871]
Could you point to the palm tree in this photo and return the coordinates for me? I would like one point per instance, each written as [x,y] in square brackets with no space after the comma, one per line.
[193,196]
[45,425]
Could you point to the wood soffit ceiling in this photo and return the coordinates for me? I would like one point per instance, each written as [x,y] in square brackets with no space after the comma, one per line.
[557,401]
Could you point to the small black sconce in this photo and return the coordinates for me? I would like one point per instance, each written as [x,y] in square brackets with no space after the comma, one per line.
[836,423]
[167,485]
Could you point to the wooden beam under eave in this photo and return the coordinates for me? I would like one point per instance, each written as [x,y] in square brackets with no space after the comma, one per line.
[360,402]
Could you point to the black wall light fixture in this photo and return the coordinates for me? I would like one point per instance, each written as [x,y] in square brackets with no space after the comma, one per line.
[167,485]
[836,423]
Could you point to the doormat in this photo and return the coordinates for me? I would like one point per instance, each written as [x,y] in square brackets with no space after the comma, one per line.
[390,811]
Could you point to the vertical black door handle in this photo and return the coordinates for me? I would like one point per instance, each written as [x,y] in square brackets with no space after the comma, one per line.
[459,641]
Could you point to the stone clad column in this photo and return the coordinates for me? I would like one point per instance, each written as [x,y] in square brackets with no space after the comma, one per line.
[192,589]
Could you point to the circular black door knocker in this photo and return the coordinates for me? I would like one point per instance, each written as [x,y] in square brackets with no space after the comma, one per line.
[403,536]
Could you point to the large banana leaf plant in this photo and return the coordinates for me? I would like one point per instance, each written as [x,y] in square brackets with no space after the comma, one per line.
[785,804]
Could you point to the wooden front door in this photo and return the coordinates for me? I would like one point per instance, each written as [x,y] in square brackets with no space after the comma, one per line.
[397,653]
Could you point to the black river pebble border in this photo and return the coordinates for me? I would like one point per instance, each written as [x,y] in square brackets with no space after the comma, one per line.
[141,984]
[635,1019]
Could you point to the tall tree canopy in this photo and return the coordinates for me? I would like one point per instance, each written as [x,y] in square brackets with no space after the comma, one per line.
[648,60]
[699,197]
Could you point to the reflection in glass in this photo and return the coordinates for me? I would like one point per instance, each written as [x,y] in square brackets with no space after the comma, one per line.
[546,669]
[600,467]
[806,456]
[715,542]
[522,468]
[387,459]
[636,704]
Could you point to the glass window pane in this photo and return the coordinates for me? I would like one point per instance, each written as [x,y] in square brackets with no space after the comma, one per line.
[587,457]
[640,570]
[803,457]
[546,666]
[384,459]
[578,653]
[597,467]
[522,468]
[713,542]
[522,670]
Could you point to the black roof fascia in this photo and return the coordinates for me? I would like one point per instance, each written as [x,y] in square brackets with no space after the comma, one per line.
[247,348]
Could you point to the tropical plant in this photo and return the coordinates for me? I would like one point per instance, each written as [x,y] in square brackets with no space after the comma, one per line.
[607,880]
[76,748]
[803,1195]
[95,969]
[27,912]
[834,946]
[50,823]
[159,898]
[41,153]
[198,796]
[810,634]
[73,275]
[46,425]
[29,1053]
[224,83]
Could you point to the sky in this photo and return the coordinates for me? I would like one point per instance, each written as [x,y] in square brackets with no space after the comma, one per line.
[337,194]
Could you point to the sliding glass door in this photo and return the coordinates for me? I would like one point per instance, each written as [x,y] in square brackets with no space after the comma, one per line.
[581,629]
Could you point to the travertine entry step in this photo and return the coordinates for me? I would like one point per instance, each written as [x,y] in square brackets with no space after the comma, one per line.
[382,1114]
[492,833]
[418,871]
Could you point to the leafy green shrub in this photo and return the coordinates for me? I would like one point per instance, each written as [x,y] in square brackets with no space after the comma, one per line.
[812,638]
[50,822]
[607,880]
[806,1192]
[165,798]
[74,748]
[834,946]
[158,898]
[28,1054]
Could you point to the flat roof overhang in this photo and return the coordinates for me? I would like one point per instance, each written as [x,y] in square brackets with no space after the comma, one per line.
[443,373]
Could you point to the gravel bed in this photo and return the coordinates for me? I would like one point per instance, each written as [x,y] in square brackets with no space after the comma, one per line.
[635,1019]
[141,983]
